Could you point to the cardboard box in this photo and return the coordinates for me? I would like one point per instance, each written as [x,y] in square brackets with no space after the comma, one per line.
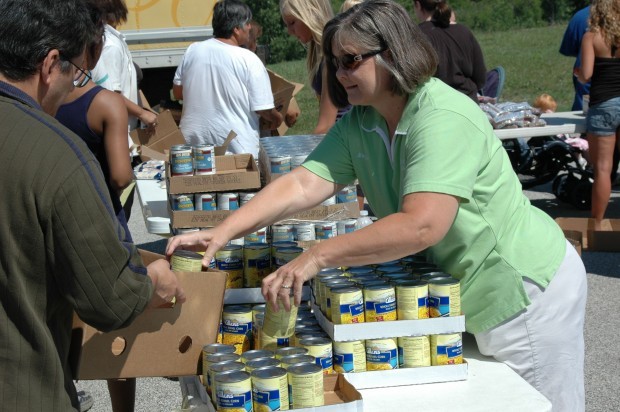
[160,342]
[574,237]
[155,145]
[340,395]
[283,92]
[233,172]
[391,329]
[407,376]
[605,240]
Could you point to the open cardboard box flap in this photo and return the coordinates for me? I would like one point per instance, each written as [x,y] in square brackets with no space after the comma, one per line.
[283,92]
[605,240]
[160,342]
[166,135]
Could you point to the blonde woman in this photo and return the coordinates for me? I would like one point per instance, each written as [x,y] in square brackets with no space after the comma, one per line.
[600,64]
[305,20]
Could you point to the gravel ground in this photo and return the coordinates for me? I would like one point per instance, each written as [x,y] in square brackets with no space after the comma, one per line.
[602,359]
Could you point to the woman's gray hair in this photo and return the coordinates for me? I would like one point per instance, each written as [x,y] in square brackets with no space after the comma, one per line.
[380,25]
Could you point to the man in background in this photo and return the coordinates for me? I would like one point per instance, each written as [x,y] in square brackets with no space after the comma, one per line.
[224,86]
[571,46]
[62,250]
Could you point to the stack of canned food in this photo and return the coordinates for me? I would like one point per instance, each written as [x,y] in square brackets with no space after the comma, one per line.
[267,380]
[407,289]
[287,152]
[186,160]
[190,202]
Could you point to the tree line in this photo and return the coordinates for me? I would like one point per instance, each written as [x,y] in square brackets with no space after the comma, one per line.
[479,15]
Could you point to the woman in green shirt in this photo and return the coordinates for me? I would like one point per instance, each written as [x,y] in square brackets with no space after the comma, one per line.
[439,181]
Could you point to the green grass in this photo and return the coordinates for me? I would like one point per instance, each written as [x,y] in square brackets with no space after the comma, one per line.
[530,57]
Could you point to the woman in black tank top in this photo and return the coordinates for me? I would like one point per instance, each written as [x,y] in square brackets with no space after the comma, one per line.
[600,64]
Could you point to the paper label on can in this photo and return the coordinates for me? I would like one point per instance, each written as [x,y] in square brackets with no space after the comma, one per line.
[234,397]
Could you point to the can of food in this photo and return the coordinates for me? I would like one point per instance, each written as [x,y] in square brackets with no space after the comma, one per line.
[306,332]
[286,254]
[330,201]
[381,354]
[359,270]
[380,303]
[212,359]
[306,385]
[291,350]
[259,308]
[272,343]
[227,201]
[260,236]
[304,231]
[212,349]
[270,389]
[204,159]
[325,230]
[230,259]
[289,360]
[257,326]
[282,233]
[346,305]
[279,244]
[329,285]
[321,349]
[181,163]
[388,269]
[346,226]
[204,201]
[256,354]
[232,365]
[446,349]
[237,327]
[220,367]
[238,242]
[412,300]
[444,297]
[320,291]
[350,356]
[256,264]
[427,274]
[280,164]
[182,202]
[233,391]
[414,351]
[347,194]
[245,197]
[257,363]
[280,323]
[186,261]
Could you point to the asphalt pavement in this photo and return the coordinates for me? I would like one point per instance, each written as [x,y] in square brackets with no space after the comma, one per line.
[601,330]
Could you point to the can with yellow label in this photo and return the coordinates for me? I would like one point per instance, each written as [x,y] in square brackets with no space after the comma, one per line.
[281,323]
[446,349]
[347,305]
[270,389]
[237,327]
[321,349]
[306,385]
[257,363]
[349,356]
[381,354]
[234,391]
[379,302]
[414,351]
[219,367]
[230,259]
[411,299]
[444,297]
[186,261]
[256,264]
[212,358]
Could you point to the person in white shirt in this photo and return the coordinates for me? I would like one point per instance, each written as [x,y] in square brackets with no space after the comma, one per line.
[224,86]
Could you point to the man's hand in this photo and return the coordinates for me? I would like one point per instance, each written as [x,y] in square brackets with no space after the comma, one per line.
[166,286]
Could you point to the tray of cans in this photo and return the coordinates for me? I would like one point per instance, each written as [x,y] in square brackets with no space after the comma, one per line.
[225,173]
[389,329]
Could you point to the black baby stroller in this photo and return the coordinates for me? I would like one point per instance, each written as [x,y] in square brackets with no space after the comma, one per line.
[543,159]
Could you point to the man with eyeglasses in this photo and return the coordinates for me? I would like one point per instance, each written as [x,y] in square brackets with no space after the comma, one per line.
[224,86]
[61,242]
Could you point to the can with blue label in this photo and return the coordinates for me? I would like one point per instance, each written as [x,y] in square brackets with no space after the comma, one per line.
[444,297]
[379,302]
[181,162]
[205,201]
[321,349]
[234,391]
[381,354]
[270,389]
[204,159]
[227,201]
[347,194]
[182,202]
[350,357]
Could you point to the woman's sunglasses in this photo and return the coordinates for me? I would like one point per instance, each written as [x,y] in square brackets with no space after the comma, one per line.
[352,61]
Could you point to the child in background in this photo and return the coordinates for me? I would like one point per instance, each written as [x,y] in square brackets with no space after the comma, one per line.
[547,104]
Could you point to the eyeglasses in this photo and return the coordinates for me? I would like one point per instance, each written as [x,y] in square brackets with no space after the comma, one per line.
[352,61]
[82,77]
